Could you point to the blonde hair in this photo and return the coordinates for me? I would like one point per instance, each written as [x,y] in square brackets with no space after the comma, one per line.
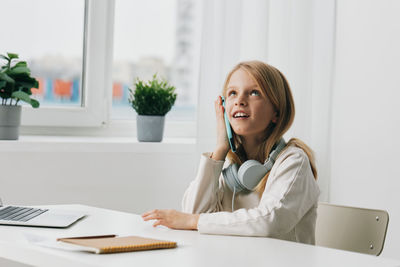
[274,84]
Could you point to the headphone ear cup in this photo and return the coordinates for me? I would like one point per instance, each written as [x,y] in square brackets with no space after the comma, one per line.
[231,178]
[250,173]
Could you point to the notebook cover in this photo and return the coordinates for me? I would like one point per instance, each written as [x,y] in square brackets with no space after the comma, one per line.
[120,244]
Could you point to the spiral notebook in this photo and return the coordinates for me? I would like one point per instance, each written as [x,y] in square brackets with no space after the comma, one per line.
[113,244]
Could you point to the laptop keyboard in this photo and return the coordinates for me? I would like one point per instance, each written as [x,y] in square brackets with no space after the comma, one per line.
[20,214]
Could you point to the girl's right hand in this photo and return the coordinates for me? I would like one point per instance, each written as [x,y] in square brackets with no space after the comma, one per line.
[222,147]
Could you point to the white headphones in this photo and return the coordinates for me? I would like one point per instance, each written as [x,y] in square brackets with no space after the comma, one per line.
[251,172]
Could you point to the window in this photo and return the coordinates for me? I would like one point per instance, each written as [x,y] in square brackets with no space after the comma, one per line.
[60,40]
[69,46]
[49,35]
[155,37]
[45,35]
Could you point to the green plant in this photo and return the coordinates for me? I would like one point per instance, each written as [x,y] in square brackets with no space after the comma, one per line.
[154,97]
[16,82]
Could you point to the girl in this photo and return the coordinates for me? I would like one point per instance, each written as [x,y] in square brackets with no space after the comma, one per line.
[283,203]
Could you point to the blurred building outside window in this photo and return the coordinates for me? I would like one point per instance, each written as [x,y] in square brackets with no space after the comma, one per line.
[163,44]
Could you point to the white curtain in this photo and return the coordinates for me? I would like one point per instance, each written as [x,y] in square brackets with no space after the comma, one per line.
[295,36]
[232,31]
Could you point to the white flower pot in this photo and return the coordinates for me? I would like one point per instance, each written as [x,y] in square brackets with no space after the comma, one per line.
[150,128]
[10,119]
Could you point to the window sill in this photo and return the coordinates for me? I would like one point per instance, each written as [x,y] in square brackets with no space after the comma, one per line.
[113,129]
[29,143]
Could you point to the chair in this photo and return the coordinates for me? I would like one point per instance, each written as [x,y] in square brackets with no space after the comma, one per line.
[350,228]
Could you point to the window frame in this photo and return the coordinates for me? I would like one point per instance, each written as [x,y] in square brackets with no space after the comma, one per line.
[94,117]
[97,56]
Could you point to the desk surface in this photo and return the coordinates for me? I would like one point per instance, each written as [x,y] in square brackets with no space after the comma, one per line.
[193,249]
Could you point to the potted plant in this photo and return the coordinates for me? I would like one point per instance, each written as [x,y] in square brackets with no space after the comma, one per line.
[151,100]
[16,84]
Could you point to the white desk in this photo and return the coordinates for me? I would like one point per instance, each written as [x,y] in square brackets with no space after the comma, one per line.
[193,249]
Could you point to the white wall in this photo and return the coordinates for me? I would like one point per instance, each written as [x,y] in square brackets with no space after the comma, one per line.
[366,111]
[122,175]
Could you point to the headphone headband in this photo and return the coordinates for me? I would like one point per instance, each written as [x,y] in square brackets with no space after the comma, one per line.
[274,154]
[251,172]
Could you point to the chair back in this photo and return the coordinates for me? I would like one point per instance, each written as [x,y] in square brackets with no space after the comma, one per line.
[350,228]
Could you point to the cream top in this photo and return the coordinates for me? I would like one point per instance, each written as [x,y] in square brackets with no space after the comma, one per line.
[286,210]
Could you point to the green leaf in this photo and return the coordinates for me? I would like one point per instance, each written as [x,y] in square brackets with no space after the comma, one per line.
[20,70]
[23,80]
[36,85]
[12,55]
[19,95]
[22,96]
[35,103]
[26,84]
[21,64]
[2,84]
[5,77]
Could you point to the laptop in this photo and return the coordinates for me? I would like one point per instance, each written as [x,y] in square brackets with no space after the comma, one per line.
[28,216]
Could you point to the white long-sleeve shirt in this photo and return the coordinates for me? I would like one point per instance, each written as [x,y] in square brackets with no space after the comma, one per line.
[286,209]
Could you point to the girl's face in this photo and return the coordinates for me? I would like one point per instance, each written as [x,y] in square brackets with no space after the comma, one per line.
[248,108]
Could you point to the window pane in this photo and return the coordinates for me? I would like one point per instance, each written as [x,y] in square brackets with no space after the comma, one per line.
[155,36]
[48,34]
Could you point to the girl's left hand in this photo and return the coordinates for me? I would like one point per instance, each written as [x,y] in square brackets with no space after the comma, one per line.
[173,219]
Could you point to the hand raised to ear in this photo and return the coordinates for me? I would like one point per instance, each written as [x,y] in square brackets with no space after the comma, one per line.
[172,219]
[222,146]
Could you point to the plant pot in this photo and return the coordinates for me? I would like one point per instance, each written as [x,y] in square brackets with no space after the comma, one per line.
[150,128]
[10,119]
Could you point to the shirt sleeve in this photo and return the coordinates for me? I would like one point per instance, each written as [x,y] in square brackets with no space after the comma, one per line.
[290,192]
[204,193]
